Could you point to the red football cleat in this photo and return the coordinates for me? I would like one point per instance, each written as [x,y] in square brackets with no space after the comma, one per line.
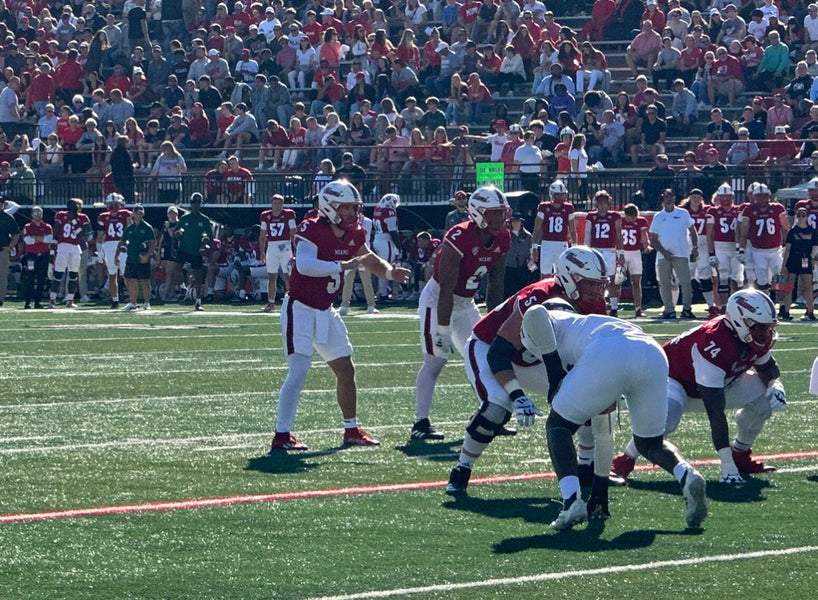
[746,464]
[286,441]
[623,465]
[358,437]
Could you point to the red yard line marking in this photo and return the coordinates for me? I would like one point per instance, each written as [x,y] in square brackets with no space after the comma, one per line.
[348,491]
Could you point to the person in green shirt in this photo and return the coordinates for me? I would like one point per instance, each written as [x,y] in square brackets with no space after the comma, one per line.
[192,230]
[138,241]
[774,64]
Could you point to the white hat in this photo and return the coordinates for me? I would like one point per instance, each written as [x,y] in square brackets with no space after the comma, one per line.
[762,188]
[327,11]
[649,2]
[270,9]
[714,11]
[812,7]
[213,52]
[441,47]
[780,129]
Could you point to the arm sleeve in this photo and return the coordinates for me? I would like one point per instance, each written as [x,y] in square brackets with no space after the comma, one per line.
[308,263]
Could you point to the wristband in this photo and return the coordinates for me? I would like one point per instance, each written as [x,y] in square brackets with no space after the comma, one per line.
[513,389]
[444,329]
[389,275]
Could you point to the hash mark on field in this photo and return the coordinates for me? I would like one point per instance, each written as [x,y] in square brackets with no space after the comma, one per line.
[325,493]
[540,577]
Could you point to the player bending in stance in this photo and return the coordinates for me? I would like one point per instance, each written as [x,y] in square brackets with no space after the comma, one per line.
[470,250]
[709,371]
[327,246]
[610,358]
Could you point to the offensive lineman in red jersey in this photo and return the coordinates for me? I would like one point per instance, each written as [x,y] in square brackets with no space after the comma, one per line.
[111,224]
[762,230]
[709,371]
[326,247]
[554,228]
[72,229]
[580,282]
[722,221]
[470,251]
[603,232]
[701,269]
[276,243]
[635,242]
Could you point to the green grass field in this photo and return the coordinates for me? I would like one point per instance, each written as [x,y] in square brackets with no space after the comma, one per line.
[104,409]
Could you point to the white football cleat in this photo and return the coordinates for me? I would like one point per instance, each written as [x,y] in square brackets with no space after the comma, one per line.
[343,311]
[694,492]
[371,310]
[732,478]
[574,515]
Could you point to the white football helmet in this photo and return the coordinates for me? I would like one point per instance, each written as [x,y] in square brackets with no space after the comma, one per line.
[559,304]
[582,273]
[114,200]
[725,194]
[557,190]
[390,201]
[336,193]
[751,315]
[485,199]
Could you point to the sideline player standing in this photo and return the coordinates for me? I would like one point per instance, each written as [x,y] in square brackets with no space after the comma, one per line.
[701,268]
[722,222]
[635,243]
[603,232]
[554,228]
[72,230]
[111,224]
[386,242]
[470,251]
[761,233]
[709,372]
[608,358]
[276,243]
[498,366]
[327,246]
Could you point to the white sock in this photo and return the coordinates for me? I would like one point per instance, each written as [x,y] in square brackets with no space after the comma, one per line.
[631,450]
[680,470]
[351,423]
[614,303]
[569,486]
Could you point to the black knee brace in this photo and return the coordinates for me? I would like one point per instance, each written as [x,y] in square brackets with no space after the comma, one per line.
[483,429]
[706,285]
[647,446]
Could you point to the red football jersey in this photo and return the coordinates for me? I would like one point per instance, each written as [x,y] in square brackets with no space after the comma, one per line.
[278,228]
[69,229]
[420,255]
[602,228]
[384,220]
[320,292]
[235,245]
[477,259]
[724,222]
[632,233]
[765,225]
[113,225]
[32,229]
[812,212]
[711,344]
[699,219]
[555,220]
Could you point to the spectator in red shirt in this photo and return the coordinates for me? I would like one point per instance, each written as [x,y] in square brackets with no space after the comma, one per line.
[273,141]
[238,181]
[199,127]
[727,77]
[654,15]
[479,101]
[601,14]
[515,140]
[42,89]
[68,77]
[117,81]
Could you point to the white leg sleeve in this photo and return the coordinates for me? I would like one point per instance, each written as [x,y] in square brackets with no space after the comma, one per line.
[750,420]
[290,392]
[603,432]
[585,445]
[425,385]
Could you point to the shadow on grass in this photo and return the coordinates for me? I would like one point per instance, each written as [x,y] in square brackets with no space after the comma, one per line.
[532,510]
[812,478]
[750,491]
[439,451]
[281,461]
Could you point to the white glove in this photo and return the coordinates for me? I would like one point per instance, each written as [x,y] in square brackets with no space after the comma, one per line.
[714,262]
[101,254]
[740,256]
[443,341]
[777,396]
[732,478]
[524,409]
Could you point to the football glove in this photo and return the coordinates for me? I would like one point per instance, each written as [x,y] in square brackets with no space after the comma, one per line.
[732,478]
[443,342]
[714,262]
[524,409]
[740,256]
[777,396]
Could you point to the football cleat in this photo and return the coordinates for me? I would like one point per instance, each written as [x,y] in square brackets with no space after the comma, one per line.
[598,508]
[575,513]
[638,314]
[198,305]
[746,464]
[688,314]
[423,430]
[70,304]
[358,437]
[131,307]
[343,311]
[694,489]
[732,479]
[614,312]
[668,315]
[114,304]
[623,465]
[371,310]
[458,481]
[271,306]
[286,441]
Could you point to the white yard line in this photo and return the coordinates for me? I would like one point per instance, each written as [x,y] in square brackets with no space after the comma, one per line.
[528,579]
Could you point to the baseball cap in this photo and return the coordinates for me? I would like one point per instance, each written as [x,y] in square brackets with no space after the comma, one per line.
[327,11]
[139,208]
[196,198]
[517,216]
[649,2]
[441,47]
[714,11]
[780,129]
[730,7]
[270,9]
[515,128]
[212,52]
[695,191]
